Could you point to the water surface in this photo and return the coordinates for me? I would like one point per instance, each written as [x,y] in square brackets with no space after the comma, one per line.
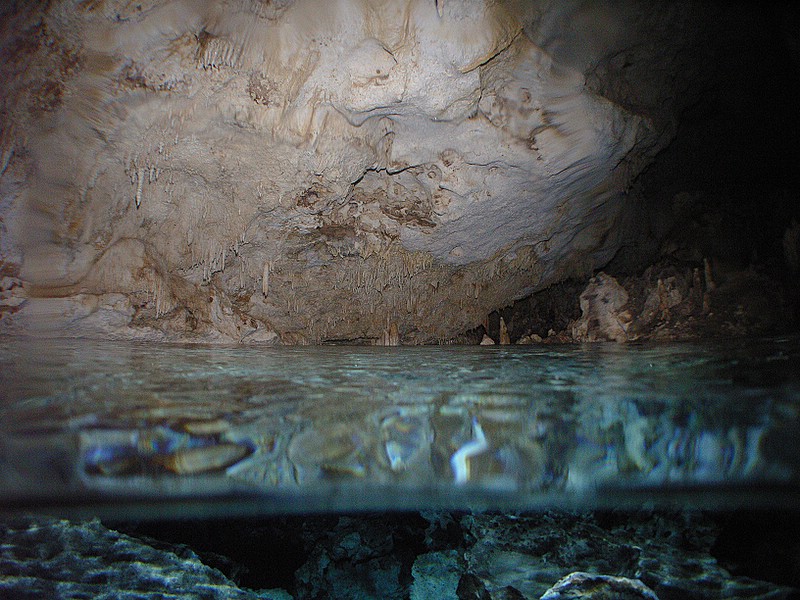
[156,429]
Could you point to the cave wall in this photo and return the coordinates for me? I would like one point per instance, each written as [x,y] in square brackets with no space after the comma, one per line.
[306,171]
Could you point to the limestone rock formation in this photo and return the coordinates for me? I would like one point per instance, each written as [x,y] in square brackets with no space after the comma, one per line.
[51,558]
[504,337]
[674,554]
[598,587]
[603,311]
[302,171]
[669,302]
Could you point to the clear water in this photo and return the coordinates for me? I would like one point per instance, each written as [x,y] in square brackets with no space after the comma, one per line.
[137,430]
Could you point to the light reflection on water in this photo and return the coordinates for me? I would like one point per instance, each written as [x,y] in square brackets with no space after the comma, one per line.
[361,427]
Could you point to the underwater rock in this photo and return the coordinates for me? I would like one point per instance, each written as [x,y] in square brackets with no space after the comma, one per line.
[438,555]
[587,586]
[437,575]
[472,588]
[531,553]
[357,558]
[51,558]
[668,553]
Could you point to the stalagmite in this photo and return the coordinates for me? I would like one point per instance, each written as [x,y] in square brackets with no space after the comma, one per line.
[394,335]
[390,336]
[504,337]
[487,341]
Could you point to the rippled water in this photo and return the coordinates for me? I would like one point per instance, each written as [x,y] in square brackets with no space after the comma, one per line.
[130,427]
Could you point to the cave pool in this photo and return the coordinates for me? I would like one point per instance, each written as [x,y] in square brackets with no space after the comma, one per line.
[131,430]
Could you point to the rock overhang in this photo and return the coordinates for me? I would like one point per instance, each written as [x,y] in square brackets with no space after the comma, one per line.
[322,170]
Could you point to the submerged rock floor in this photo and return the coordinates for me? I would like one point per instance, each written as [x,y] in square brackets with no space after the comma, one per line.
[666,555]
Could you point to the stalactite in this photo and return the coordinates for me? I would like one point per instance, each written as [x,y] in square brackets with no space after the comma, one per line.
[159,296]
[139,184]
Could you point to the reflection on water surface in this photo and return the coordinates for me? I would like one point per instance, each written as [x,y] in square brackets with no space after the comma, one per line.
[299,428]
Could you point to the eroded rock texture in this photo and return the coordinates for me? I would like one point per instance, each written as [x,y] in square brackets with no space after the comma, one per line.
[547,555]
[51,558]
[304,171]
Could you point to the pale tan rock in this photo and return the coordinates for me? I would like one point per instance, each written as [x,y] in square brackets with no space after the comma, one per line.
[394,335]
[532,338]
[12,293]
[504,337]
[665,296]
[487,341]
[320,167]
[390,337]
[603,316]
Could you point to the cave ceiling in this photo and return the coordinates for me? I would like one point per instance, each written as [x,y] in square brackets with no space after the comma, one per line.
[314,170]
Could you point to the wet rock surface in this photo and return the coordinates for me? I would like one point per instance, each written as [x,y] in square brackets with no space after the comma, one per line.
[552,554]
[598,587]
[49,558]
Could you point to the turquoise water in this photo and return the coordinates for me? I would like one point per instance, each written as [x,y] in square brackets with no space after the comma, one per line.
[133,429]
